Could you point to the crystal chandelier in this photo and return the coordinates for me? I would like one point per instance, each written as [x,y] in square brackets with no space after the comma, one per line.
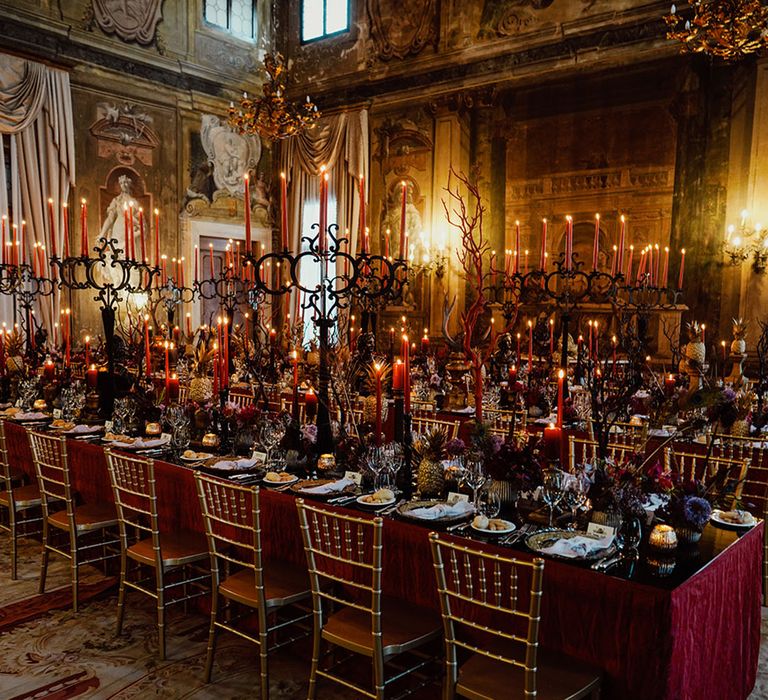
[728,29]
[747,241]
[270,116]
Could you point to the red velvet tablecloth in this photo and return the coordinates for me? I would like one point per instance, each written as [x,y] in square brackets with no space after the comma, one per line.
[697,641]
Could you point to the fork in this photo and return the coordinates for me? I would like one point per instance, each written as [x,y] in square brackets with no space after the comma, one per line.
[516,536]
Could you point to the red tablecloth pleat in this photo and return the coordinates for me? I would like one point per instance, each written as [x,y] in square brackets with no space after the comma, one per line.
[699,641]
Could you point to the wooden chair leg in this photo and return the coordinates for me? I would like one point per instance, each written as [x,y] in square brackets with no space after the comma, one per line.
[160,616]
[378,676]
[211,636]
[14,535]
[75,577]
[121,592]
[316,639]
[44,564]
[263,657]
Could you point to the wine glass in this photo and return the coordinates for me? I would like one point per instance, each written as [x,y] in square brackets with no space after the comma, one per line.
[552,491]
[474,477]
[628,537]
[271,433]
[490,502]
[576,493]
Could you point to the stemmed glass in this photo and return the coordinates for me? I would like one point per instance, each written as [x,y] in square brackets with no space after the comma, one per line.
[628,537]
[271,433]
[490,502]
[552,491]
[576,492]
[474,477]
[120,414]
[372,462]
[178,420]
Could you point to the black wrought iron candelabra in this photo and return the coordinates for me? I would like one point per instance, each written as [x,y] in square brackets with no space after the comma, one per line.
[22,282]
[569,286]
[170,296]
[345,278]
[110,276]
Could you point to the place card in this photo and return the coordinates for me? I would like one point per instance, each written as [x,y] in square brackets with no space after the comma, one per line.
[454,498]
[56,413]
[600,531]
[108,425]
[259,457]
[357,477]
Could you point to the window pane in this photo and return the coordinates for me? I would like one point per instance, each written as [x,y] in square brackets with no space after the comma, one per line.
[336,16]
[216,12]
[309,272]
[312,20]
[242,18]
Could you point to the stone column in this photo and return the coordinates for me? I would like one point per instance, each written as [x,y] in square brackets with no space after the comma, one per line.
[451,148]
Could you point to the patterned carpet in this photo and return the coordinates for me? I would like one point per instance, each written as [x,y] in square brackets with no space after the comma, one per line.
[53,654]
[60,655]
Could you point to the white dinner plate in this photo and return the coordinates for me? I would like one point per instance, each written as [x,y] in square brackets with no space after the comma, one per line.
[377,504]
[493,533]
[716,518]
[277,484]
[201,456]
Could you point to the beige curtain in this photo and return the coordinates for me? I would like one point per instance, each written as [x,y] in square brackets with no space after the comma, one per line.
[340,143]
[36,111]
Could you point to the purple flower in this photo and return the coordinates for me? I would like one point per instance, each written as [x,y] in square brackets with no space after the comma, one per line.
[495,443]
[455,447]
[696,512]
[309,432]
[729,395]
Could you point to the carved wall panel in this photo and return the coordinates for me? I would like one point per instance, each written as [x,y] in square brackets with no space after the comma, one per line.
[397,33]
[129,20]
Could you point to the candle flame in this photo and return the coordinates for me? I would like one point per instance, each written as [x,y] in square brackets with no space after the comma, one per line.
[560,374]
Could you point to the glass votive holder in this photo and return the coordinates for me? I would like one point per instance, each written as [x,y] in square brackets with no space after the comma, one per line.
[663,538]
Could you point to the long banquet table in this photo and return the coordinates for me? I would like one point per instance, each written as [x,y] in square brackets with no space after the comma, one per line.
[694,635]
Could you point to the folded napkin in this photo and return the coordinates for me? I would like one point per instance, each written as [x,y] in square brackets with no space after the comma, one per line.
[443,510]
[84,430]
[331,487]
[467,409]
[654,501]
[232,465]
[578,547]
[35,415]
[144,443]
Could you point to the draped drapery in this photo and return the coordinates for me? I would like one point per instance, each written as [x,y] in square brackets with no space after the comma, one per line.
[340,143]
[36,114]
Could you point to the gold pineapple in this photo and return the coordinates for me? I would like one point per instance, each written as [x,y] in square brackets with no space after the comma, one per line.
[739,345]
[695,350]
[14,349]
[201,387]
[429,449]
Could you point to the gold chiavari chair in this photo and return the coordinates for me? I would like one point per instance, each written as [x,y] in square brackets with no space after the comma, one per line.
[344,556]
[286,406]
[76,529]
[500,419]
[183,394]
[483,601]
[240,399]
[704,468]
[581,450]
[233,525]
[423,424]
[755,493]
[172,556]
[22,504]
[419,406]
[623,433]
